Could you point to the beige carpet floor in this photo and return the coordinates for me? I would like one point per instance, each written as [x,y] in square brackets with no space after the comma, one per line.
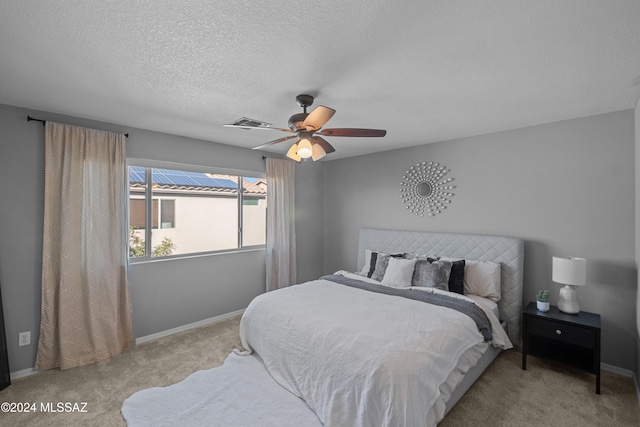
[545,395]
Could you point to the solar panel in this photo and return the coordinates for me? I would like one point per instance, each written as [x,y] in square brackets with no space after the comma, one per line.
[225,183]
[186,178]
[178,177]
[136,174]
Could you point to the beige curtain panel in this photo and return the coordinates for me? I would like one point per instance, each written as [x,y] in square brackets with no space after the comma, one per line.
[86,308]
[281,225]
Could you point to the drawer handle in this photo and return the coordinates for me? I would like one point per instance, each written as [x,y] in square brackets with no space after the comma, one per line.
[558,332]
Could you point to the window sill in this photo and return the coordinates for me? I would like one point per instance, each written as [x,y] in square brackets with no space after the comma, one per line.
[145,260]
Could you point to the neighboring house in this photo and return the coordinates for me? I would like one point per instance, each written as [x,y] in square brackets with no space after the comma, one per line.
[198,212]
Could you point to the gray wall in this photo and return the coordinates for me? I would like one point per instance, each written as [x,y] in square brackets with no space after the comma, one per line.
[567,188]
[309,233]
[165,294]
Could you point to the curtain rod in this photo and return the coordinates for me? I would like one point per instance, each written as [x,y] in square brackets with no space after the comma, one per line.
[32,119]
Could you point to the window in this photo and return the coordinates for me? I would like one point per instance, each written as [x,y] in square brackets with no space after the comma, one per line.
[165,215]
[177,212]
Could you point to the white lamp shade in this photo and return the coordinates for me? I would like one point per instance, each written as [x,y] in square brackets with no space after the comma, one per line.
[304,148]
[570,271]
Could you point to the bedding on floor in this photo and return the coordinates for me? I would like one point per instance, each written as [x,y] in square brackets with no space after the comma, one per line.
[240,393]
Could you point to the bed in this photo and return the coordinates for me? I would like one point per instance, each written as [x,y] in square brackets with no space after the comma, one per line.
[355,348]
[352,348]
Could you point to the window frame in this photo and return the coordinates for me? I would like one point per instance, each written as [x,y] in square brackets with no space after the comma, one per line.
[148,202]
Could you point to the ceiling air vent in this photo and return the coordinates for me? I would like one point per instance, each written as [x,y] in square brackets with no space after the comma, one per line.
[247,123]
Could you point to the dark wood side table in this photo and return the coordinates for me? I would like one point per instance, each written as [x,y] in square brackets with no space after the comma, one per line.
[573,339]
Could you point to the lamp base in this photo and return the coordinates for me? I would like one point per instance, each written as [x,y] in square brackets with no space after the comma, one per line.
[568,300]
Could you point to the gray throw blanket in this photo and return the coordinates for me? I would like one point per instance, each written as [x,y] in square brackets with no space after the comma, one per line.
[463,306]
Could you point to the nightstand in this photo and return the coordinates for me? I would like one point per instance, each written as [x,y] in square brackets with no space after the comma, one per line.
[573,339]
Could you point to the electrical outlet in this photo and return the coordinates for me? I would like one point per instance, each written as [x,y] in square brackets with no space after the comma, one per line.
[24,338]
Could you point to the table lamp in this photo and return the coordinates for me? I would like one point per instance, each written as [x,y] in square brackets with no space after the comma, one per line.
[571,272]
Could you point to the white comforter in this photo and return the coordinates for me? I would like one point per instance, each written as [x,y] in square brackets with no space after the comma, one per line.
[359,358]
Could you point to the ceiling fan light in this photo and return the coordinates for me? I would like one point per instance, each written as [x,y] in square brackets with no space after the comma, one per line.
[305,150]
[317,152]
[293,153]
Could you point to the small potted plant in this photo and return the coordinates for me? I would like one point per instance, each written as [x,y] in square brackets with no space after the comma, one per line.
[543,300]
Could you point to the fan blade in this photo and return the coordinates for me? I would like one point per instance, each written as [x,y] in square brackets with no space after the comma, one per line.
[256,127]
[318,117]
[328,148]
[353,132]
[275,141]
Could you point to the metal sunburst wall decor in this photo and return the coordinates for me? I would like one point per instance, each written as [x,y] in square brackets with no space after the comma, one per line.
[425,190]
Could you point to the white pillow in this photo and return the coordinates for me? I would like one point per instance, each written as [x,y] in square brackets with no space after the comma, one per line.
[399,273]
[482,278]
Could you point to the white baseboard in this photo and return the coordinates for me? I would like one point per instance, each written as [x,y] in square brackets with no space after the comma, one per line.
[23,373]
[625,373]
[187,327]
[616,370]
[30,371]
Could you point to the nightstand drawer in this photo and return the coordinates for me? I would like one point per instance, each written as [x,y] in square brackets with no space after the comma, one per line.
[562,332]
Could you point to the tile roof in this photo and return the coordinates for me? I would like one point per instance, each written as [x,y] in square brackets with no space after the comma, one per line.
[195,181]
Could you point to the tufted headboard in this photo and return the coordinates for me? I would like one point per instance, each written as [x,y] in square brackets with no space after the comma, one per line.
[509,251]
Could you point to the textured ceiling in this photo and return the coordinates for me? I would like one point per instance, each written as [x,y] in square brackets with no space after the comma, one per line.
[425,71]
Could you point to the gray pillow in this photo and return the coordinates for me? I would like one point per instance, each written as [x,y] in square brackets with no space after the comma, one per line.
[378,264]
[432,273]
[382,262]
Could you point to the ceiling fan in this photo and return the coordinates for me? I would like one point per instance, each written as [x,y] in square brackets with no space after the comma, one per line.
[307,127]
